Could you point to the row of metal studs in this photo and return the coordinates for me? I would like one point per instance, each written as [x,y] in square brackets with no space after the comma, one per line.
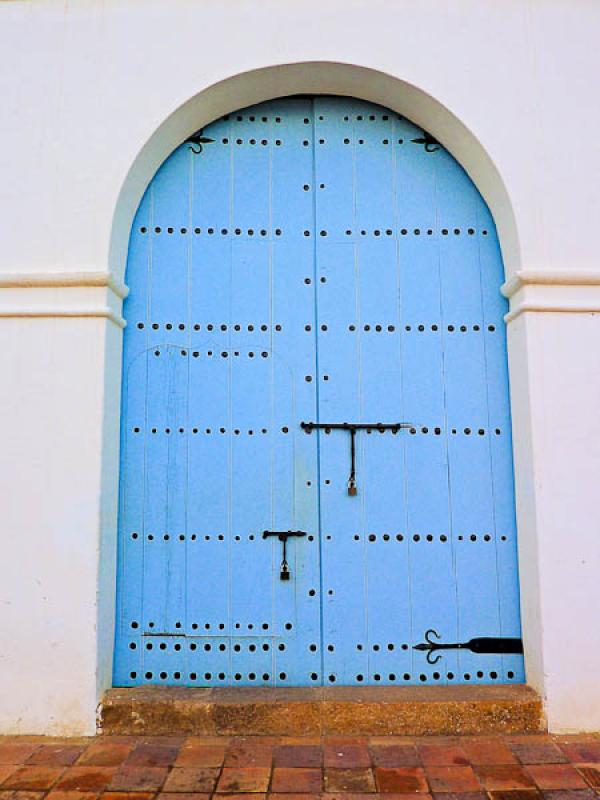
[207,647]
[378,328]
[305,142]
[278,232]
[222,647]
[386,537]
[179,625]
[307,120]
[327,431]
[252,648]
[235,353]
[314,676]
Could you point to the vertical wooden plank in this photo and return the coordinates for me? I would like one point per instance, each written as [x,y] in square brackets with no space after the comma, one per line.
[500,432]
[177,493]
[467,409]
[381,480]
[342,545]
[432,580]
[294,454]
[131,525]
[160,384]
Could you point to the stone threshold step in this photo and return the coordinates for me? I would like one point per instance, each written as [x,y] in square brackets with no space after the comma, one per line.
[369,710]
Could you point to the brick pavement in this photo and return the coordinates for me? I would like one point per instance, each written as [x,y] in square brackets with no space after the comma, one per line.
[539,767]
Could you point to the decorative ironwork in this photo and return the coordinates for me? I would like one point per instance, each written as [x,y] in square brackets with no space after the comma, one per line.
[283,536]
[198,139]
[480,645]
[429,143]
[353,427]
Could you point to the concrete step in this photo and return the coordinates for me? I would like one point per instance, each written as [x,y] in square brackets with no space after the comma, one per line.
[369,710]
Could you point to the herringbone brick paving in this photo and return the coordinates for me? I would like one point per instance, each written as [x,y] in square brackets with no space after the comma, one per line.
[540,767]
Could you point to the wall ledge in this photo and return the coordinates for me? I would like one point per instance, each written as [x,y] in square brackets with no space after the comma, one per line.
[62,294]
[71,313]
[30,280]
[555,291]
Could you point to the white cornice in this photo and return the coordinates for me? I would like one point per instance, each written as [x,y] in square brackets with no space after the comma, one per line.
[62,294]
[564,291]
[553,291]
[9,280]
[71,313]
[550,278]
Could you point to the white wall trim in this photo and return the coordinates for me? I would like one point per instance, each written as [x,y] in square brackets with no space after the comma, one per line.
[560,308]
[62,294]
[65,312]
[9,280]
[550,277]
[552,291]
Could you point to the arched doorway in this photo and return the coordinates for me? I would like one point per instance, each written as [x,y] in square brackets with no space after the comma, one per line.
[315,260]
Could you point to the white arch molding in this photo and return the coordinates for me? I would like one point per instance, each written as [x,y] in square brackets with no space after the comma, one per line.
[282,80]
[315,77]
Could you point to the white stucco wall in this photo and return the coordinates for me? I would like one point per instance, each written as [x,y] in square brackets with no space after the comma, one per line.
[94,94]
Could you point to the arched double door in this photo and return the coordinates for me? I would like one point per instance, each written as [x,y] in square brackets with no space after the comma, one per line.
[316,460]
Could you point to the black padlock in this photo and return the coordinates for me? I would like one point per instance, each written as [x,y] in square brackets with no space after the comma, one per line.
[283,536]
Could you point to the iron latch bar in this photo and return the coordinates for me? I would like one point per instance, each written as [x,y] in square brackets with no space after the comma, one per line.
[283,536]
[352,427]
[480,645]
[357,426]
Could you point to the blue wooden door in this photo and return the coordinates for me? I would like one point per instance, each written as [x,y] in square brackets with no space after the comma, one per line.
[322,261]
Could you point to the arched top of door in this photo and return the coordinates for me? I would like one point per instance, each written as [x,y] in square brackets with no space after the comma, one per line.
[332,78]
